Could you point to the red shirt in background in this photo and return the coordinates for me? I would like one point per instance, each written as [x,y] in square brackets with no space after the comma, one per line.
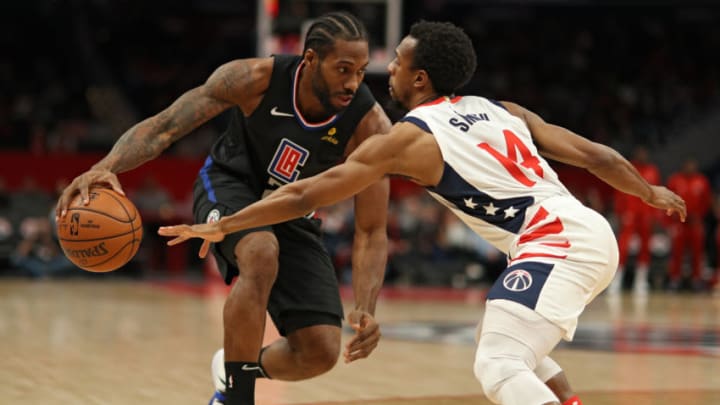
[695,189]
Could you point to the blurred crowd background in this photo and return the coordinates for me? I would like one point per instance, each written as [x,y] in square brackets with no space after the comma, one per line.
[641,76]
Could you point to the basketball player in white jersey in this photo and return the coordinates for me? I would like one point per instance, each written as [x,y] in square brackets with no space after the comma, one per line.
[484,161]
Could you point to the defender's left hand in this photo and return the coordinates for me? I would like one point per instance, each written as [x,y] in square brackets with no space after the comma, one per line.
[664,198]
[367,335]
[209,232]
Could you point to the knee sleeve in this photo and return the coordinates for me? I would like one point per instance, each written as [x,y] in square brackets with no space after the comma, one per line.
[493,371]
[547,369]
[504,368]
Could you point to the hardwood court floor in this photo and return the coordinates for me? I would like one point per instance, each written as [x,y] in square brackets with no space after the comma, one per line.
[127,342]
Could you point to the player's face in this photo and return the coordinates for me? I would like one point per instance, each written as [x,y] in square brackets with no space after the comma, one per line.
[402,73]
[338,75]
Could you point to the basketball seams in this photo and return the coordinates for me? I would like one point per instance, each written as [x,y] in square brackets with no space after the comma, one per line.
[105,237]
[135,239]
[103,213]
[122,205]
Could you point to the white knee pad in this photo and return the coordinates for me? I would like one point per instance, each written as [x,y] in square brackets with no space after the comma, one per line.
[504,368]
[493,371]
[547,369]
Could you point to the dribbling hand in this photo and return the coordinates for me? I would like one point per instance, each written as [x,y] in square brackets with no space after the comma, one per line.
[81,184]
[367,335]
[209,232]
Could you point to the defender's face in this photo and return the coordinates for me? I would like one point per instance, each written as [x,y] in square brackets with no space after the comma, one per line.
[338,75]
[402,73]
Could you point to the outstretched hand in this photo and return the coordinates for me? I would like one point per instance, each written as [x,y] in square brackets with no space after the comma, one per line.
[209,232]
[664,198]
[81,185]
[367,335]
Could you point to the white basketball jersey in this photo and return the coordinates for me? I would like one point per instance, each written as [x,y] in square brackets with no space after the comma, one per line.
[494,178]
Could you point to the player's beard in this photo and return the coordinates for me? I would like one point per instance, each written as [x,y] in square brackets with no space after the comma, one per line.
[322,91]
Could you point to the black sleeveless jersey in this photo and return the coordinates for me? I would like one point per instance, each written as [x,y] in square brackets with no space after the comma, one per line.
[275,144]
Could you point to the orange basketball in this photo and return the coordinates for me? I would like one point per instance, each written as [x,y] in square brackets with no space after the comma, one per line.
[103,235]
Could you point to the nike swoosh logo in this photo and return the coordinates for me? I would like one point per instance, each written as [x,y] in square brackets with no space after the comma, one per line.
[245,367]
[277,113]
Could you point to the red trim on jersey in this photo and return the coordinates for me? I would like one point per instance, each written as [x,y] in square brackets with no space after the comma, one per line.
[565,244]
[440,100]
[529,255]
[539,216]
[552,228]
[296,83]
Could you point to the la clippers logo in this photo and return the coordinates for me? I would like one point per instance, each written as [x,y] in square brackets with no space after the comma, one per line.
[288,157]
[518,280]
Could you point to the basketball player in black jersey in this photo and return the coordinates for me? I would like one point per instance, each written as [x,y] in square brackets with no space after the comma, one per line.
[292,117]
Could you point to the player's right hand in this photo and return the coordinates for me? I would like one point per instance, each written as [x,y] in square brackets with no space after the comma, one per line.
[81,184]
[664,198]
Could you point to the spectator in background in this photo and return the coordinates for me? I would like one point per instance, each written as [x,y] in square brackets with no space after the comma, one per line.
[636,219]
[694,188]
[7,237]
[38,253]
[338,227]
[29,201]
[418,220]
[715,278]
[480,261]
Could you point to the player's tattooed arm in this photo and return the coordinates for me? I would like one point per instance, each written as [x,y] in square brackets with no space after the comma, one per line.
[241,82]
[234,83]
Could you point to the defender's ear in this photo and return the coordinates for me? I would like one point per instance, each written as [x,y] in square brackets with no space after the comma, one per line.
[421,79]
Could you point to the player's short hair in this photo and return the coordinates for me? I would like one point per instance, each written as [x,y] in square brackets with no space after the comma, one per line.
[328,28]
[446,53]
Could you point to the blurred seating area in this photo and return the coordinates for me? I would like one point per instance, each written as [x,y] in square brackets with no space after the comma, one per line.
[84,72]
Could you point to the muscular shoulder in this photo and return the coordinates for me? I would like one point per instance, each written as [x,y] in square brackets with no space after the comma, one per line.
[242,81]
[406,150]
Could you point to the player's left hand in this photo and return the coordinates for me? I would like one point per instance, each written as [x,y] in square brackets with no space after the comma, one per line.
[664,198]
[209,232]
[367,335]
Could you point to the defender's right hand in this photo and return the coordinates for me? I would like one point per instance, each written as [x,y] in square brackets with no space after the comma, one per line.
[81,184]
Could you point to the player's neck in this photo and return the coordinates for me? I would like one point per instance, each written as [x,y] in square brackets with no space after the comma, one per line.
[424,98]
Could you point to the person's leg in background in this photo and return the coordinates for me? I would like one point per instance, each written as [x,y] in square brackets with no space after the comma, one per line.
[641,286]
[697,251]
[678,235]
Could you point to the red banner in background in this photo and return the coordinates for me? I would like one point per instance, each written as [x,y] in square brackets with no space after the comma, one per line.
[177,175]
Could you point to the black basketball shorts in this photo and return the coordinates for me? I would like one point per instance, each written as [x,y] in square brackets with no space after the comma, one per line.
[305,292]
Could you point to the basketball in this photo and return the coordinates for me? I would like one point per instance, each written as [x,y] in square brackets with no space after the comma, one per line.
[103,235]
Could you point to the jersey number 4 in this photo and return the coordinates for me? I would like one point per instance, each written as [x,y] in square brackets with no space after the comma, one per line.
[511,162]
